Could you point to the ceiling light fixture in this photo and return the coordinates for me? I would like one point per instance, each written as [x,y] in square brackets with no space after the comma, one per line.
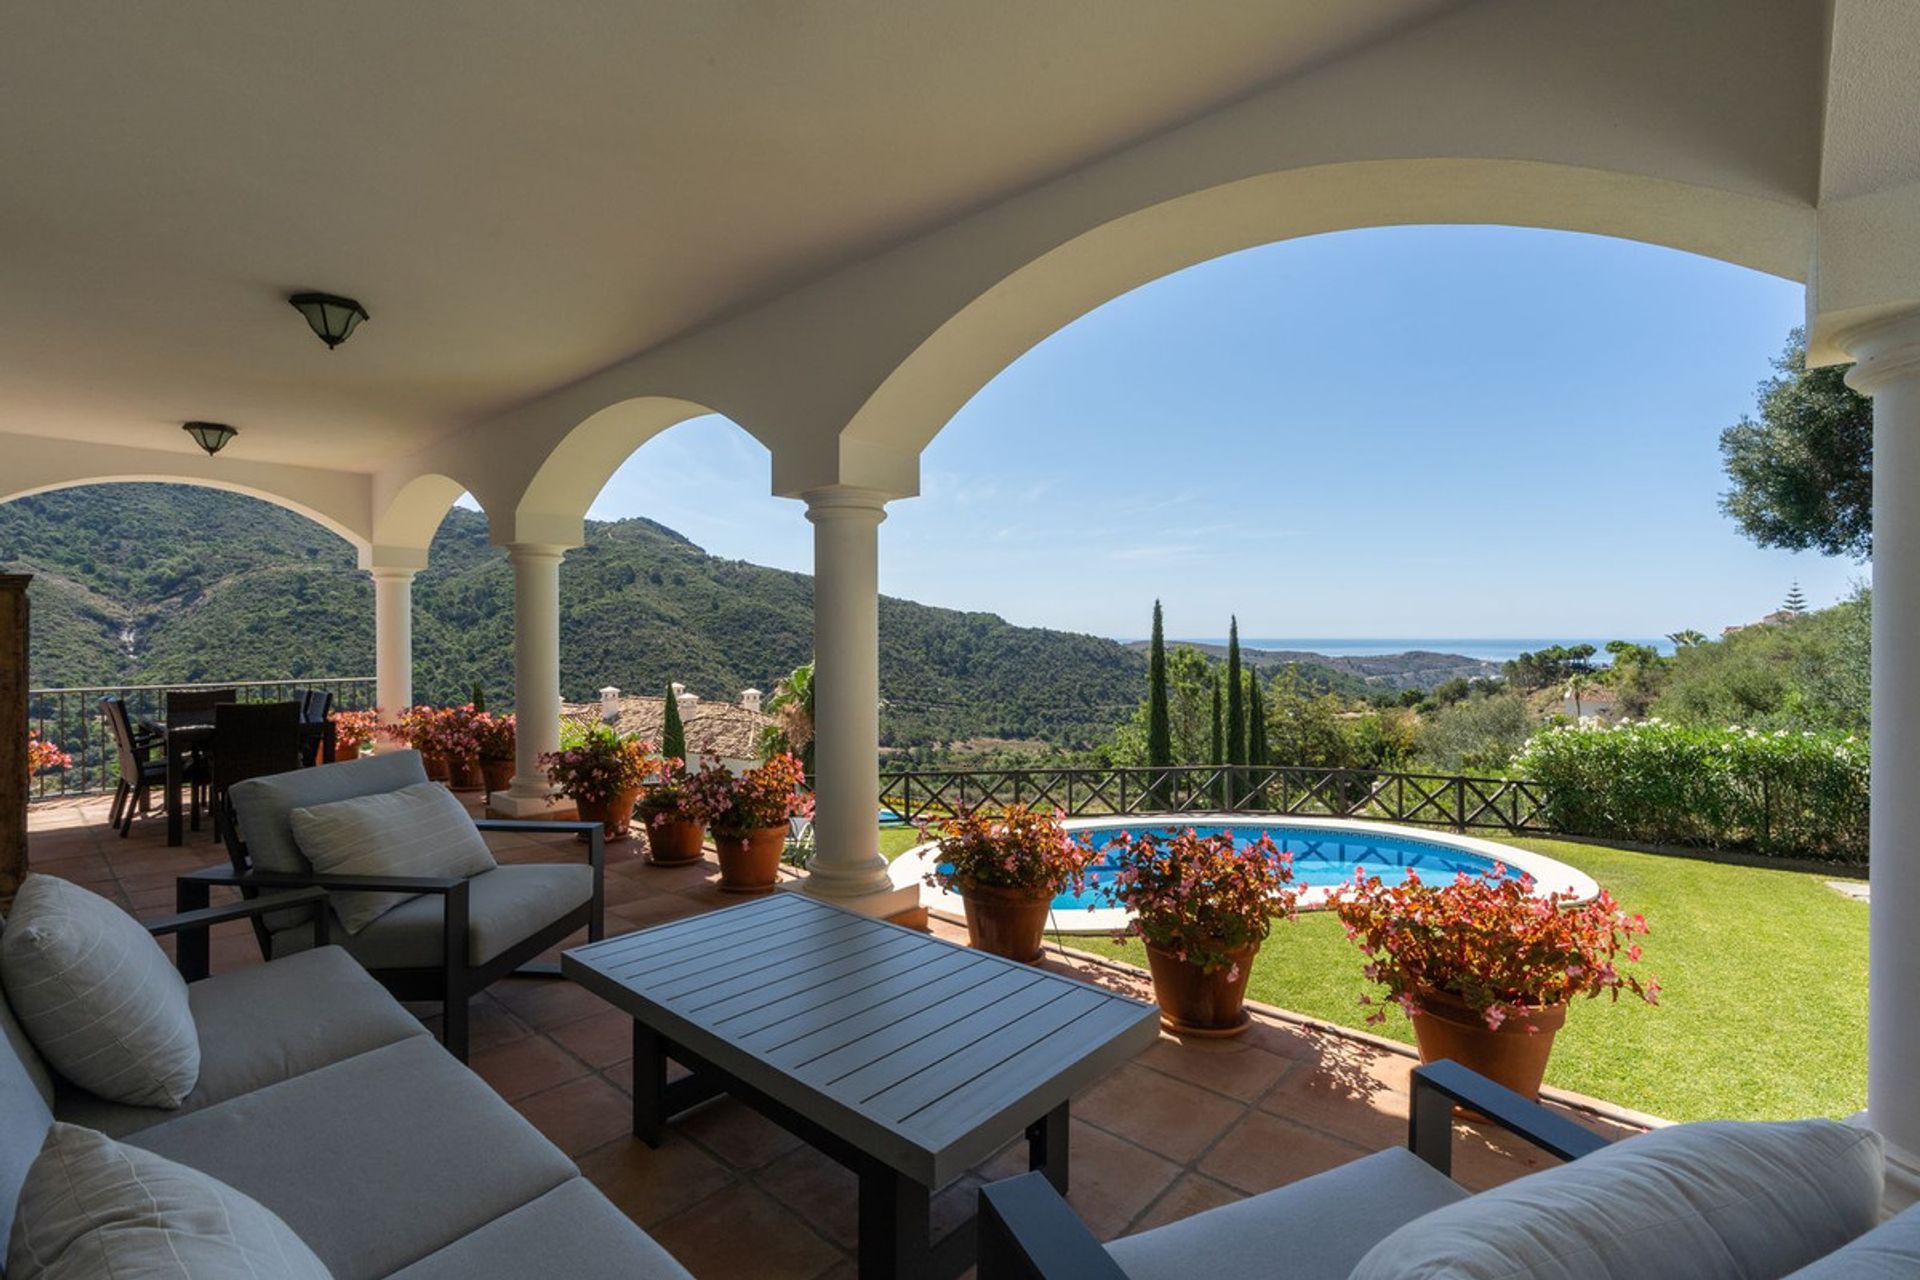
[331,316]
[211,436]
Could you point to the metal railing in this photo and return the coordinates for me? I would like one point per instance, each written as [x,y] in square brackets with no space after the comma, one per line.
[71,719]
[1511,805]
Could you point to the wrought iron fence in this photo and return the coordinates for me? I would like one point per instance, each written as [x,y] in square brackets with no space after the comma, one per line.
[1511,805]
[71,719]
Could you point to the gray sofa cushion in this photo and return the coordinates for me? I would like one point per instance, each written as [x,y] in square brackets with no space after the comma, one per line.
[376,1161]
[93,1208]
[1715,1200]
[421,830]
[1891,1251]
[571,1231]
[97,995]
[26,1095]
[1317,1227]
[504,907]
[264,1024]
[263,805]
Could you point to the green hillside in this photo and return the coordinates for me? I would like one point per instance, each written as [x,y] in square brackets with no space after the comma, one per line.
[151,583]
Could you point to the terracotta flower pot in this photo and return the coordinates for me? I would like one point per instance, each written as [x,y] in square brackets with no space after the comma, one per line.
[750,862]
[343,751]
[1006,922]
[1202,1004]
[465,774]
[1444,1027]
[615,814]
[436,767]
[498,774]
[672,840]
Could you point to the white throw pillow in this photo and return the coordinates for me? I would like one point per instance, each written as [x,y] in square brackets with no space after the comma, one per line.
[1717,1200]
[97,995]
[421,830]
[93,1207]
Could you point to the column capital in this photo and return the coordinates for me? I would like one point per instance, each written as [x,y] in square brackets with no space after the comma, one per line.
[1884,350]
[387,573]
[846,502]
[536,552]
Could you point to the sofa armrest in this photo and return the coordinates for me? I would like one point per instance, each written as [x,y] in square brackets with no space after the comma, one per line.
[193,951]
[1028,1232]
[1439,1085]
[318,880]
[596,857]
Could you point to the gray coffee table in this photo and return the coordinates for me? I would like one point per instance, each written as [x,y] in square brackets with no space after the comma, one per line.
[906,1058]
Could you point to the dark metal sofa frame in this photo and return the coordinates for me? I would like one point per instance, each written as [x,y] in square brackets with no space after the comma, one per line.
[453,981]
[1028,1232]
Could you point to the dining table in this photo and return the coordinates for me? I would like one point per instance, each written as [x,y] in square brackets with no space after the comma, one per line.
[184,735]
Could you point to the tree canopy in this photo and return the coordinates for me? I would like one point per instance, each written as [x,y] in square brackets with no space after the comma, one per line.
[1802,471]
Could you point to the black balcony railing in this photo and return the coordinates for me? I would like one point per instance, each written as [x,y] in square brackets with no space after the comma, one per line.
[71,720]
[1510,805]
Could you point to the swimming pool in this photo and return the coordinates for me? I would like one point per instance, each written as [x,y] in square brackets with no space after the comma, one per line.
[1326,852]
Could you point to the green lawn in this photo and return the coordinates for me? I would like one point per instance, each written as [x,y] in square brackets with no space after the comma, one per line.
[1763,1006]
[895,841]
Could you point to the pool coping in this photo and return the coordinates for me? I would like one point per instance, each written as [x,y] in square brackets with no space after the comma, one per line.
[1549,874]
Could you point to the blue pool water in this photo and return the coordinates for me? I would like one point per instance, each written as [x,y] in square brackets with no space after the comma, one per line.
[1321,858]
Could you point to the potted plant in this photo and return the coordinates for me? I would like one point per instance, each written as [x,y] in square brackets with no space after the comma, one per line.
[1203,907]
[1007,868]
[459,738]
[353,732]
[602,774]
[419,727]
[497,743]
[676,833]
[1484,967]
[748,816]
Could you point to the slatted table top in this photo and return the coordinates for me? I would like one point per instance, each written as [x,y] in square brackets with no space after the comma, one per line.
[925,1055]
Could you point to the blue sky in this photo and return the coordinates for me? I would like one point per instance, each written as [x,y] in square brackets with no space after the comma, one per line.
[1406,432]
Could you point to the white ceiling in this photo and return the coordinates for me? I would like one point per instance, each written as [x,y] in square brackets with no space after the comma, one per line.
[520,193]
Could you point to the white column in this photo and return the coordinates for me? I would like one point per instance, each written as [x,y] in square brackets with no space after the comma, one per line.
[1888,369]
[393,640]
[847,866]
[536,675]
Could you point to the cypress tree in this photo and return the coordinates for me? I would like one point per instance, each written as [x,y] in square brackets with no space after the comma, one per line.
[673,734]
[1236,715]
[1256,732]
[1219,746]
[1159,720]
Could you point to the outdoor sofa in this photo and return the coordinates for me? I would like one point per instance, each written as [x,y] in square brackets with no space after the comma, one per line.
[322,1099]
[1718,1200]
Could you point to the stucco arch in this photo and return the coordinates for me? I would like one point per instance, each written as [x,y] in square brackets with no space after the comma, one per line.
[1089,267]
[554,501]
[336,501]
[411,517]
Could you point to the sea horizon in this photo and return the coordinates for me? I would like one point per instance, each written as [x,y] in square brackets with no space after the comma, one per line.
[1478,648]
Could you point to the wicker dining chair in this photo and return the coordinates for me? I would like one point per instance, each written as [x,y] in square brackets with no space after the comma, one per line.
[251,740]
[139,773]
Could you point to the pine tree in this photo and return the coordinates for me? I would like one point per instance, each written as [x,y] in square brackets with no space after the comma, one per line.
[1796,603]
[1236,715]
[1219,745]
[1159,718]
[673,734]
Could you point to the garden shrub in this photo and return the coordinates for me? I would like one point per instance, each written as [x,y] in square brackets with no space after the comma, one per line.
[1782,793]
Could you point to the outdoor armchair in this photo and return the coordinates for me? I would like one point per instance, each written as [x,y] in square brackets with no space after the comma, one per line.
[452,938]
[1794,1198]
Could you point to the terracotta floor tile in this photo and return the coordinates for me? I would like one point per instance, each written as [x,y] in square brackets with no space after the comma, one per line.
[600,1039]
[739,1231]
[1166,1116]
[1232,1067]
[1264,1151]
[736,1133]
[544,1003]
[819,1189]
[1113,1180]
[1281,1038]
[525,1066]
[1336,1100]
[652,1184]
[1191,1193]
[580,1116]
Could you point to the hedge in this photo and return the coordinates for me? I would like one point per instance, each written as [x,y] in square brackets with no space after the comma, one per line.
[1782,793]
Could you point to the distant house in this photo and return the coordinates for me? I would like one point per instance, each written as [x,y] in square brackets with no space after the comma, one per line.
[1599,702]
[730,732]
[1777,618]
